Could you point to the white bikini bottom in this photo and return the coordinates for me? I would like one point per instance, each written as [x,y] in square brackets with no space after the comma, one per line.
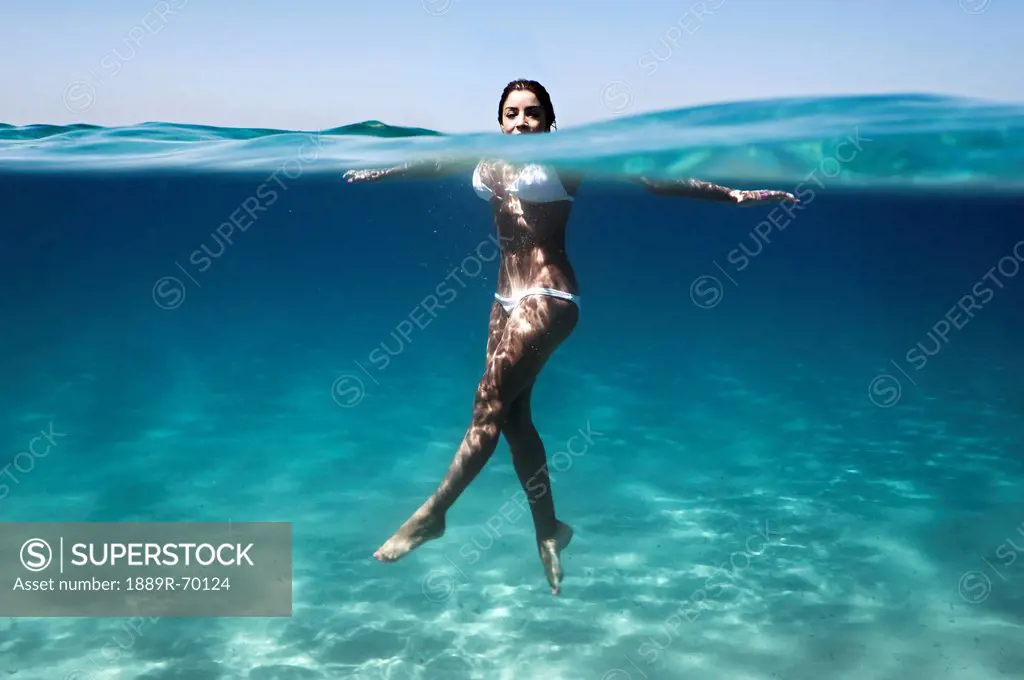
[510,303]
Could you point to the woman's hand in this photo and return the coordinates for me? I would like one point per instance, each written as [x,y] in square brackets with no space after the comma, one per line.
[365,175]
[760,196]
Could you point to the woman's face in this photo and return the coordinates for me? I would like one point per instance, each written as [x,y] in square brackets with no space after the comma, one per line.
[522,113]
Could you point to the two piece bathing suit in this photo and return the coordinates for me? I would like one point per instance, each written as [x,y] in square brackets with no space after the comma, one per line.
[533,184]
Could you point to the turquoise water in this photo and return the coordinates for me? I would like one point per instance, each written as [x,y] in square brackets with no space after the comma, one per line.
[789,444]
[919,141]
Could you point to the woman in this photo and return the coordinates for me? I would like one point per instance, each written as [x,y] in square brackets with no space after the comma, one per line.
[535,310]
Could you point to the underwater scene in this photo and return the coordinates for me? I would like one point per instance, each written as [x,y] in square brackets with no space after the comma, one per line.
[786,436]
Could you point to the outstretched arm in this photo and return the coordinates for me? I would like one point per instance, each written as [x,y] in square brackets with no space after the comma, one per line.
[695,188]
[422,169]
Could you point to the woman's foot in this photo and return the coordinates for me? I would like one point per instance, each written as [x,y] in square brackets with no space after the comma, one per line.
[550,554]
[423,526]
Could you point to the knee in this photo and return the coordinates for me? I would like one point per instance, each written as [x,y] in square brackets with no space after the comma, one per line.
[519,412]
[522,437]
[518,423]
[489,407]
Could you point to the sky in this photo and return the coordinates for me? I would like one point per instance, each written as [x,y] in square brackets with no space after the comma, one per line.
[441,64]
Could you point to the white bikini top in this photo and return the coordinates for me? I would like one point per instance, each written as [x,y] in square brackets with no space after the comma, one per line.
[534,184]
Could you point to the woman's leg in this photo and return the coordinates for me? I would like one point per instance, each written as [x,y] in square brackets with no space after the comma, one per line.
[531,463]
[530,335]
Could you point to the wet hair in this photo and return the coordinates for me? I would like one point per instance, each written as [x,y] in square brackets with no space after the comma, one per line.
[538,90]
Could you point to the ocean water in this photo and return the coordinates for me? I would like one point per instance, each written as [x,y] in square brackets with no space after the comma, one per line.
[789,441]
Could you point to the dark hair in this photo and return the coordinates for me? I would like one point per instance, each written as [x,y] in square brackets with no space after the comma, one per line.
[537,89]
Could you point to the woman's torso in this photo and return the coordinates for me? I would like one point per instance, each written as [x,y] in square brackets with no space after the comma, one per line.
[531,210]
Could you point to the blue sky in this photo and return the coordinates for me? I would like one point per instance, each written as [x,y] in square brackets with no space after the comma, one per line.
[308,64]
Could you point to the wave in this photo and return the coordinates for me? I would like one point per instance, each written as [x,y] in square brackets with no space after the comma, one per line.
[899,141]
